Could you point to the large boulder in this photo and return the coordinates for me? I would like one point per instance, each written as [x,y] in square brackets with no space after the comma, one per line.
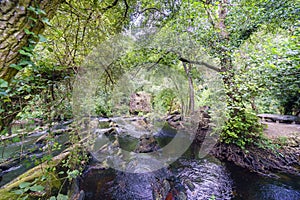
[140,102]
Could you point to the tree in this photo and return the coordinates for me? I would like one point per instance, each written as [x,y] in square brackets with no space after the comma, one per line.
[272,80]
[222,26]
[25,71]
[18,20]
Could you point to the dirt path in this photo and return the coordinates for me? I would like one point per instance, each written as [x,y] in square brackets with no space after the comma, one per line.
[275,130]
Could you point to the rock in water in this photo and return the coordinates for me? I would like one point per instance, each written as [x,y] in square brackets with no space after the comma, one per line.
[147,144]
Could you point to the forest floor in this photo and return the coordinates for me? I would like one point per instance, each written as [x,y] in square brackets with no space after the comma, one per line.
[276,130]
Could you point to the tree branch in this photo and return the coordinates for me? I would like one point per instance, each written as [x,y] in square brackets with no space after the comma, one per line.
[200,63]
[126,9]
[155,9]
[110,6]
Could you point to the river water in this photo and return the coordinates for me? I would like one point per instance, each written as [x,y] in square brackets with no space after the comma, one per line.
[187,178]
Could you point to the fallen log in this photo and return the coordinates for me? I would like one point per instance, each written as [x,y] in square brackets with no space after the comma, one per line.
[53,183]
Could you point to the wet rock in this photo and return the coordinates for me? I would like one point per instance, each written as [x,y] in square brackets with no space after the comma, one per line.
[79,196]
[113,124]
[41,139]
[10,163]
[204,125]
[147,144]
[175,120]
[93,124]
[140,124]
[161,190]
[175,112]
[111,131]
[176,125]
[285,159]
[181,196]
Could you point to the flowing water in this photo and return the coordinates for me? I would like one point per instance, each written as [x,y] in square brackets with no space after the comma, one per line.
[187,178]
[26,153]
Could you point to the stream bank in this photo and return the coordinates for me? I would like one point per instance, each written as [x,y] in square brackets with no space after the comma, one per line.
[281,155]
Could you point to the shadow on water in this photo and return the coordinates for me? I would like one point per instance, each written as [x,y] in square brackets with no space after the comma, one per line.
[249,186]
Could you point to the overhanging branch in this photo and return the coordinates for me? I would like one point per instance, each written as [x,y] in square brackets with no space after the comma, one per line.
[200,63]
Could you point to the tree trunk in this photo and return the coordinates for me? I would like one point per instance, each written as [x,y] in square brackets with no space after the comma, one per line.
[15,18]
[191,87]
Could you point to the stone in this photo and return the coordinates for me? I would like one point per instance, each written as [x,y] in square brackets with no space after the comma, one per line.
[140,102]
[146,144]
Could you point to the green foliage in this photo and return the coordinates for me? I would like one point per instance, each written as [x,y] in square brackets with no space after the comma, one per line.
[213,197]
[273,79]
[59,197]
[243,129]
[26,187]
[166,100]
[103,104]
[103,111]
[14,96]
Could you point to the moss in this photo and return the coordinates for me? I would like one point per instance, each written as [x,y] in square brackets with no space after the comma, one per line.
[6,195]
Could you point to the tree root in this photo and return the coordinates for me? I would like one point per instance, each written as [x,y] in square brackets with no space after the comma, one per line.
[263,161]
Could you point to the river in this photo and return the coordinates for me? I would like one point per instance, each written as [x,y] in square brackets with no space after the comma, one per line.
[188,177]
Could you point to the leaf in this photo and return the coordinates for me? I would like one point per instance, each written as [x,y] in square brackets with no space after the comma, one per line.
[31,8]
[17,139]
[18,192]
[27,97]
[25,62]
[17,67]
[40,11]
[3,93]
[50,49]
[42,38]
[26,197]
[24,185]
[32,41]
[52,198]
[3,83]
[25,53]
[46,21]
[33,19]
[62,197]
[73,174]
[37,188]
[28,32]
